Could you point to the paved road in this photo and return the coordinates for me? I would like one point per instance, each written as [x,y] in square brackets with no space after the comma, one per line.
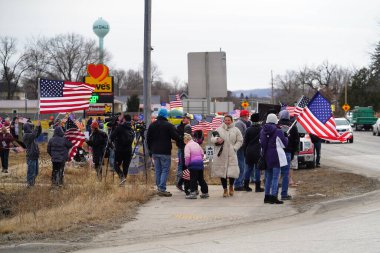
[245,224]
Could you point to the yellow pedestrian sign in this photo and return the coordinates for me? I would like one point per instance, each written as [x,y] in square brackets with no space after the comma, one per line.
[346,107]
[244,104]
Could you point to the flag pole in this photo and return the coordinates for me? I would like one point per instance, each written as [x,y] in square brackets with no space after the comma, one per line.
[39,96]
[291,126]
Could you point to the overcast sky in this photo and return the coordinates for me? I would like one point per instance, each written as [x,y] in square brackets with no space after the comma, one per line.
[257,36]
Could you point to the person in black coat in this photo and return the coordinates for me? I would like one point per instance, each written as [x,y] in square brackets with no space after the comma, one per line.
[252,150]
[98,141]
[58,149]
[123,137]
[317,148]
[159,136]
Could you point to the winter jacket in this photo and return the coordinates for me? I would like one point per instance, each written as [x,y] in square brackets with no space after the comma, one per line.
[5,140]
[16,132]
[226,165]
[293,136]
[242,126]
[29,139]
[58,146]
[252,145]
[193,156]
[98,141]
[182,129]
[273,142]
[315,139]
[123,137]
[159,136]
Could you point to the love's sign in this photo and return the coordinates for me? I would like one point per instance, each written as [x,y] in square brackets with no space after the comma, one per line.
[99,78]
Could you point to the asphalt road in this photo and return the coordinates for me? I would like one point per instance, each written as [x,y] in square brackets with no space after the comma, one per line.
[244,224]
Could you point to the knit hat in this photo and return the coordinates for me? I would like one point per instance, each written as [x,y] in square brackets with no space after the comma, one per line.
[163,112]
[255,117]
[284,114]
[244,113]
[272,118]
[94,125]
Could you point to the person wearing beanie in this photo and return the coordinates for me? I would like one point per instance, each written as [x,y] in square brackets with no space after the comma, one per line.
[98,142]
[32,151]
[227,140]
[252,149]
[6,140]
[123,137]
[159,136]
[273,142]
[242,124]
[291,149]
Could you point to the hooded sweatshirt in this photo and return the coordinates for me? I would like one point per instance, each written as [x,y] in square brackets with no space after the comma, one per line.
[273,142]
[29,139]
[58,146]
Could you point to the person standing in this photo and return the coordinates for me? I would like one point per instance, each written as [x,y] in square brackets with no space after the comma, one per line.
[317,148]
[58,149]
[228,140]
[290,150]
[123,137]
[5,140]
[252,149]
[194,162]
[242,124]
[32,151]
[15,128]
[159,136]
[182,128]
[88,125]
[273,142]
[98,141]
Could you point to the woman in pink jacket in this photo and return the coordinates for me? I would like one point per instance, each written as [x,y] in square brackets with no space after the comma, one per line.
[194,162]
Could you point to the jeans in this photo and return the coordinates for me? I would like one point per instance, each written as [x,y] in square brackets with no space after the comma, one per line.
[4,154]
[181,161]
[196,177]
[285,176]
[241,163]
[32,171]
[271,181]
[317,151]
[161,167]
[248,172]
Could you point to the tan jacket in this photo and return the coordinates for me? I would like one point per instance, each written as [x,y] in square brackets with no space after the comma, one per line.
[226,165]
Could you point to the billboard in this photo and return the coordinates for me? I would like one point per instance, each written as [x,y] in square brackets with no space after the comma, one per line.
[206,67]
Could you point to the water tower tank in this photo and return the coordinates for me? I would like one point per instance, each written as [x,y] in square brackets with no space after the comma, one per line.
[101,28]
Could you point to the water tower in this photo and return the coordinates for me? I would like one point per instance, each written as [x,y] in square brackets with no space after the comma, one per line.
[101,28]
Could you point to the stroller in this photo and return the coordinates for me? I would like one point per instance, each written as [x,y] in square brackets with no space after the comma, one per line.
[80,158]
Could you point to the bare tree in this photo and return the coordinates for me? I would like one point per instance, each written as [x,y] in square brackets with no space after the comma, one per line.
[119,80]
[12,67]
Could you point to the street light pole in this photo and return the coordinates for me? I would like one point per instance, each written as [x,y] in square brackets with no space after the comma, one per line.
[147,61]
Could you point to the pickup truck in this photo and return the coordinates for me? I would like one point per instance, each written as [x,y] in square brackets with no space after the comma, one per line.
[363,118]
[306,154]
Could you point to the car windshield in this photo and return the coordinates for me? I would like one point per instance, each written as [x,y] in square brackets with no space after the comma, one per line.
[300,129]
[341,122]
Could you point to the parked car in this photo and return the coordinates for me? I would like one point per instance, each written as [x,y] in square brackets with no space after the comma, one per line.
[306,154]
[343,125]
[376,128]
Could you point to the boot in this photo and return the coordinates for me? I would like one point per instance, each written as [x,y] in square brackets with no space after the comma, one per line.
[275,200]
[268,199]
[225,194]
[257,187]
[246,186]
[231,190]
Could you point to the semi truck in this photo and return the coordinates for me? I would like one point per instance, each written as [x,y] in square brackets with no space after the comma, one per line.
[363,118]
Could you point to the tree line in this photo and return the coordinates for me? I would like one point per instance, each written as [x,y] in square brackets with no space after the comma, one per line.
[65,57]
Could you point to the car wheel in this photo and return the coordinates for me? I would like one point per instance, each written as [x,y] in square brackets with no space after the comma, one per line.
[351,140]
[373,133]
[378,134]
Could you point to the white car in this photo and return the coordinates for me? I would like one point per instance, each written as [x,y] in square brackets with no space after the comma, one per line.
[376,128]
[343,125]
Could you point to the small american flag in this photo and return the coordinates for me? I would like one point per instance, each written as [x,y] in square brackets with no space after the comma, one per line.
[290,109]
[62,96]
[176,103]
[186,174]
[216,122]
[317,119]
[302,103]
[202,125]
[74,135]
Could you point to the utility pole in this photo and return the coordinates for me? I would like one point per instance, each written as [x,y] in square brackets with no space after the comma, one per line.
[147,61]
[271,73]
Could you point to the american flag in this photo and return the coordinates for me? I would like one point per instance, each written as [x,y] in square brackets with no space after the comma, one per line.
[202,125]
[317,119]
[176,103]
[62,96]
[216,122]
[74,135]
[302,103]
[290,109]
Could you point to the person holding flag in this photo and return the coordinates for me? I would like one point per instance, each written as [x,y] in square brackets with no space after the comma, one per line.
[98,141]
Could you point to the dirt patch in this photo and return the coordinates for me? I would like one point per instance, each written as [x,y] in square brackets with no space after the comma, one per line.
[322,184]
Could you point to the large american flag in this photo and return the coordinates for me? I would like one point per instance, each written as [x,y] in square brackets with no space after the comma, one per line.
[74,135]
[317,119]
[302,103]
[62,96]
[176,103]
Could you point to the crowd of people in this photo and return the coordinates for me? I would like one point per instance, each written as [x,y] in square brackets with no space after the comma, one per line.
[238,148]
